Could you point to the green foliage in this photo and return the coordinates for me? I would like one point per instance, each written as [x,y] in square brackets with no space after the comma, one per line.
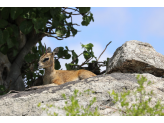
[31,60]
[86,18]
[1,37]
[50,21]
[64,54]
[39,104]
[5,13]
[74,57]
[26,26]
[74,109]
[4,49]
[39,23]
[88,53]
[3,90]
[84,9]
[141,107]
[3,23]
[28,18]
[15,12]
[57,64]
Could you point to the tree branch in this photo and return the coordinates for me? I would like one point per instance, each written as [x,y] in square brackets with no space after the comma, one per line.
[69,13]
[72,9]
[86,61]
[104,50]
[76,58]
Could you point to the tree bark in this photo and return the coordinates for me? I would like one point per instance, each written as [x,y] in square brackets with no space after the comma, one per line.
[14,79]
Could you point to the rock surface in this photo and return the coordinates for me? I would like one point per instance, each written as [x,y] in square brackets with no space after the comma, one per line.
[25,103]
[136,57]
[132,58]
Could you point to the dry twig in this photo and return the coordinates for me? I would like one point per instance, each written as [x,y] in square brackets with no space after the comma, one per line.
[104,50]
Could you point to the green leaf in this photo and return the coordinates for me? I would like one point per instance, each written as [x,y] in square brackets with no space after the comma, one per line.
[32,15]
[10,30]
[4,49]
[86,55]
[39,8]
[27,11]
[29,57]
[15,42]
[15,52]
[55,11]
[26,26]
[74,31]
[55,23]
[74,56]
[41,71]
[34,9]
[84,9]
[39,23]
[87,46]
[60,53]
[91,17]
[86,20]
[47,15]
[68,66]
[65,52]
[34,75]
[3,23]
[5,13]
[45,9]
[10,43]
[84,23]
[16,31]
[1,37]
[5,35]
[57,64]
[1,8]
[34,49]
[62,17]
[60,32]
[15,12]
[68,33]
[32,56]
[28,75]
[66,47]
[68,56]
[40,47]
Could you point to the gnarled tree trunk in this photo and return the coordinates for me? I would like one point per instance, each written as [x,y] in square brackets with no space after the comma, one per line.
[14,80]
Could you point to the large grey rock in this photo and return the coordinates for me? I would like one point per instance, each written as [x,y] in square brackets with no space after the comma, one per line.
[136,57]
[25,103]
[132,57]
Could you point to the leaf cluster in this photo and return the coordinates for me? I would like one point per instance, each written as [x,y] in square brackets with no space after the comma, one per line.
[38,21]
[31,71]
[47,20]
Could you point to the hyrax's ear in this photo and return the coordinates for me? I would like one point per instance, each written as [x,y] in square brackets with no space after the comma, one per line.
[55,51]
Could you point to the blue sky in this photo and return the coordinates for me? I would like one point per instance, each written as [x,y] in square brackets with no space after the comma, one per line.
[116,24]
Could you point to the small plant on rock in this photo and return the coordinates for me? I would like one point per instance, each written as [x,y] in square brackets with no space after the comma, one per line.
[74,109]
[142,106]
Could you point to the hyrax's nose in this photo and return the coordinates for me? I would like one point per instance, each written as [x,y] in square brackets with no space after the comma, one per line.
[38,65]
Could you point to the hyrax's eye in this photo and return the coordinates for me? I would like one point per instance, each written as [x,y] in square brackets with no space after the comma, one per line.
[45,59]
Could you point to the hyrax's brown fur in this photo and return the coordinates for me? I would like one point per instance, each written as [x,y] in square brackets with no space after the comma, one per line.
[60,76]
